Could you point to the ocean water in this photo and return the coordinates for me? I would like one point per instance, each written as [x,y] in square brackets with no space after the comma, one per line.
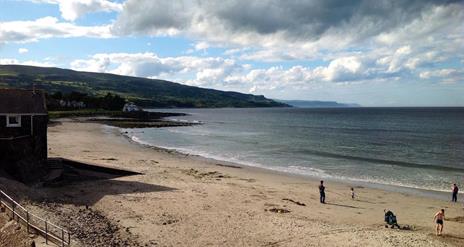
[421,148]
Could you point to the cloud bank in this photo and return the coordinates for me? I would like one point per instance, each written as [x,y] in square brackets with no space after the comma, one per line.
[230,74]
[47,27]
[271,23]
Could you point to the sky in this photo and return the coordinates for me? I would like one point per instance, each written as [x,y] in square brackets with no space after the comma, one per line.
[374,53]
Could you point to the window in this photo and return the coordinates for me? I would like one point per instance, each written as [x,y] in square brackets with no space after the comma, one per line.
[13,121]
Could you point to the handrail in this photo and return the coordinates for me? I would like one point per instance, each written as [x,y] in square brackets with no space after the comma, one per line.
[50,231]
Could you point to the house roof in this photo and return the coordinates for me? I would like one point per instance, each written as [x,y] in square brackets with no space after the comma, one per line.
[22,101]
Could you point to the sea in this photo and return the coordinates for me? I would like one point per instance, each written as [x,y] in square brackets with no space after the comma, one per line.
[414,148]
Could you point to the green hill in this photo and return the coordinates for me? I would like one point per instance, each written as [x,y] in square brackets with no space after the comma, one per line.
[143,91]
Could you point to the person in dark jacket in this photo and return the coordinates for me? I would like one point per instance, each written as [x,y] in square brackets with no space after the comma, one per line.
[322,192]
[455,190]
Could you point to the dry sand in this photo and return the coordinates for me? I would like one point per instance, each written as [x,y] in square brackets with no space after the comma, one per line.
[183,200]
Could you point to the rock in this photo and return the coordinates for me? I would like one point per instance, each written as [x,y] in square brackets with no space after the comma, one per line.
[279,210]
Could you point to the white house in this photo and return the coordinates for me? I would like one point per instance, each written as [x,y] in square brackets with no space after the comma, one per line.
[131,107]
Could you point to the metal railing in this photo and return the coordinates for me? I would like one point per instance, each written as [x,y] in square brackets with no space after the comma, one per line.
[51,232]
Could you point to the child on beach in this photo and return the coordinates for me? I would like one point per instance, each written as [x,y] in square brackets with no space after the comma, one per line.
[439,218]
[352,193]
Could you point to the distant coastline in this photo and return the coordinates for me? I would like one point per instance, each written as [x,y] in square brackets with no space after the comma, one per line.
[316,104]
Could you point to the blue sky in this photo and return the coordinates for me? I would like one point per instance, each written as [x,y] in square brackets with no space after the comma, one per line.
[375,53]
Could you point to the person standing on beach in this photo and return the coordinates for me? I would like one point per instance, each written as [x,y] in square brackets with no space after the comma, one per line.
[454,198]
[439,218]
[322,192]
[352,193]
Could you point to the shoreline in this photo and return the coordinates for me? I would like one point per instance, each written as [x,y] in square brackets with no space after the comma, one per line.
[433,194]
[185,200]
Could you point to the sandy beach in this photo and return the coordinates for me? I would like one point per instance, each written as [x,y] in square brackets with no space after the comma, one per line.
[182,200]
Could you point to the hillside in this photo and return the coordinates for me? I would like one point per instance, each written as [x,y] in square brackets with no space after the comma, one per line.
[143,91]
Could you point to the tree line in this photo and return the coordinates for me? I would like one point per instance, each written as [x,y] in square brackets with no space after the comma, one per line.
[76,100]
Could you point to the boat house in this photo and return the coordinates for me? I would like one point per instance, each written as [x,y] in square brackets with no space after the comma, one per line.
[23,133]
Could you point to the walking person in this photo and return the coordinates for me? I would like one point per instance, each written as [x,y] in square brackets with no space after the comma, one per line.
[455,189]
[439,218]
[322,192]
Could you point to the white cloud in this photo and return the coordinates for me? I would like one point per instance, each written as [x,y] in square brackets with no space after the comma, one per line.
[191,70]
[343,69]
[201,46]
[47,27]
[73,9]
[397,60]
[277,79]
[216,72]
[9,61]
[22,50]
[438,73]
[444,76]
[222,73]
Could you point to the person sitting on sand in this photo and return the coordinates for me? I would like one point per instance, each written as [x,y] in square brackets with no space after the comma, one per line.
[322,192]
[390,219]
[455,189]
[439,218]
[352,193]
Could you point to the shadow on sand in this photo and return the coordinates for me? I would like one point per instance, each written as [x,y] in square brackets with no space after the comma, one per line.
[91,191]
[84,184]
[342,205]
[453,237]
[365,201]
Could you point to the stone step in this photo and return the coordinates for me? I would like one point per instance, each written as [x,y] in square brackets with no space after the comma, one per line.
[54,164]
